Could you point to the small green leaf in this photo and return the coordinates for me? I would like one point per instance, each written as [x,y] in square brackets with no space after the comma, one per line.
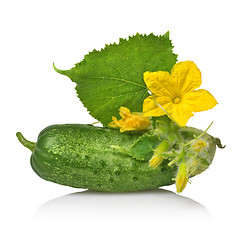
[113,77]
[144,147]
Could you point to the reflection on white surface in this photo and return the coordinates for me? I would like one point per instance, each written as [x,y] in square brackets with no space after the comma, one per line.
[89,208]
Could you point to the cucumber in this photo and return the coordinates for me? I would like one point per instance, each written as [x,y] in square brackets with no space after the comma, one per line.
[103,159]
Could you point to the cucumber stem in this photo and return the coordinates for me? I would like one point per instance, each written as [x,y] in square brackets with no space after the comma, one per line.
[25,142]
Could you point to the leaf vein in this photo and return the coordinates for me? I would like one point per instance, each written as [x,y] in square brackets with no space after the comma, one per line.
[117,79]
[155,50]
[120,95]
[131,64]
[112,98]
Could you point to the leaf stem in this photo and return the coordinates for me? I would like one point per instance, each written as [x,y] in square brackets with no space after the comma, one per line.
[192,141]
[181,156]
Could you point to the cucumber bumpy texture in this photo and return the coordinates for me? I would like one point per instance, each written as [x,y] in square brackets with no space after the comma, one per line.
[84,156]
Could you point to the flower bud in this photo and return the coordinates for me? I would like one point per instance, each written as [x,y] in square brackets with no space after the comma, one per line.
[182,177]
[155,160]
[199,145]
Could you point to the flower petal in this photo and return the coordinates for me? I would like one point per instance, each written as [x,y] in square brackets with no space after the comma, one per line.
[150,108]
[136,122]
[199,100]
[130,121]
[124,112]
[159,83]
[186,77]
[115,123]
[180,114]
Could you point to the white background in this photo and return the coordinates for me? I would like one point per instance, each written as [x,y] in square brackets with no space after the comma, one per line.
[35,34]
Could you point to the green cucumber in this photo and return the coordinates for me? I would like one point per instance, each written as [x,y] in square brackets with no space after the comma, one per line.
[103,159]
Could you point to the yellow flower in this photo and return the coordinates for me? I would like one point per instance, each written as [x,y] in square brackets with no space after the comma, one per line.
[130,121]
[176,93]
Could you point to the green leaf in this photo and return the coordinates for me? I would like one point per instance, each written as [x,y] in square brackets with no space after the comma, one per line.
[113,77]
[144,147]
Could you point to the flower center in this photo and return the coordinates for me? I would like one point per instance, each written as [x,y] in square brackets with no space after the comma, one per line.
[177,100]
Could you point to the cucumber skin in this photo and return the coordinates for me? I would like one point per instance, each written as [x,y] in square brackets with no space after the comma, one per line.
[81,156]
